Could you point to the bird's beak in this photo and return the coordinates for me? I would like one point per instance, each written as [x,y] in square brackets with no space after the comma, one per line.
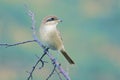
[59,20]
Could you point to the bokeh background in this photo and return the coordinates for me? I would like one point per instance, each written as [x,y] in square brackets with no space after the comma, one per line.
[91,34]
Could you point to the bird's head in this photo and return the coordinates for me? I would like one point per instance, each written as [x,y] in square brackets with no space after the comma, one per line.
[51,20]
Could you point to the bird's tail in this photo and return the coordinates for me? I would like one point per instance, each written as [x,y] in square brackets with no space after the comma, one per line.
[67,57]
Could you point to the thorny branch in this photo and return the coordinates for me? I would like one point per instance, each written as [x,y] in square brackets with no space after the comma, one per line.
[61,70]
[51,72]
[46,52]
[58,74]
[10,45]
[39,60]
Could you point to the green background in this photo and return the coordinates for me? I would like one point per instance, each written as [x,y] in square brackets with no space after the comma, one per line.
[91,34]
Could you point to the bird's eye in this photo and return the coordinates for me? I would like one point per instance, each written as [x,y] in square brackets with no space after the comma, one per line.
[51,19]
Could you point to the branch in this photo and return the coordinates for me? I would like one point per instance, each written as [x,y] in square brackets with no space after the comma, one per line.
[31,14]
[46,52]
[58,74]
[51,72]
[61,70]
[10,45]
[34,67]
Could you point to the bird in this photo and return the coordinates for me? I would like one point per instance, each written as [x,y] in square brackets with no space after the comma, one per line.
[51,36]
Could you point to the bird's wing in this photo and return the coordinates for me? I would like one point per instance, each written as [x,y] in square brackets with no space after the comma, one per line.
[59,34]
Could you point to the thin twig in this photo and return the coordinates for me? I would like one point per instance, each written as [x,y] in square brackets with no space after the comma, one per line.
[58,74]
[42,61]
[10,45]
[51,72]
[31,14]
[34,67]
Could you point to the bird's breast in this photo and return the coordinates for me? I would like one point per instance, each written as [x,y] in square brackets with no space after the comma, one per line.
[47,32]
[50,38]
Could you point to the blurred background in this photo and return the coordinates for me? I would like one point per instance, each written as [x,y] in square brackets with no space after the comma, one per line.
[91,34]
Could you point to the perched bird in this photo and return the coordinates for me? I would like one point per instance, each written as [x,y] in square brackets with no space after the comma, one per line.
[51,37]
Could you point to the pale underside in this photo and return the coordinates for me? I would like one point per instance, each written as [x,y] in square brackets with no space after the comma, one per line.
[51,37]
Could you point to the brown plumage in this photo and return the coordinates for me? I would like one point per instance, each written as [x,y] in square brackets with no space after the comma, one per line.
[51,37]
